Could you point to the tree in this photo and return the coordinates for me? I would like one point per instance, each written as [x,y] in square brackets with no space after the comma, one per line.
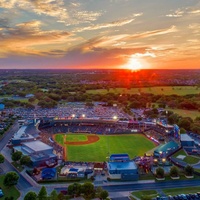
[9,198]
[31,196]
[42,195]
[54,195]
[88,190]
[174,172]
[104,194]
[61,196]
[1,158]
[160,172]
[98,191]
[185,123]
[16,156]
[189,170]
[25,160]
[182,130]
[74,189]
[11,178]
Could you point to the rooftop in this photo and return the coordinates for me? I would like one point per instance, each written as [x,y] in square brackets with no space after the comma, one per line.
[167,146]
[123,156]
[186,137]
[37,146]
[122,165]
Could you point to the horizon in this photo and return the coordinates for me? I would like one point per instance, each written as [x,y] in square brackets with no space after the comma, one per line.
[99,34]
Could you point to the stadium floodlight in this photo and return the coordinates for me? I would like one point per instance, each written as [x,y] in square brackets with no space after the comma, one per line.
[83,115]
[73,115]
[115,117]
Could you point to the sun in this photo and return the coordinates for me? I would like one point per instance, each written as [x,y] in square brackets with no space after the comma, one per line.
[133,64]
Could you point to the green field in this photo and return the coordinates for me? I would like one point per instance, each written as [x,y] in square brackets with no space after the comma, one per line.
[186,113]
[8,191]
[176,191]
[188,159]
[134,145]
[150,193]
[166,90]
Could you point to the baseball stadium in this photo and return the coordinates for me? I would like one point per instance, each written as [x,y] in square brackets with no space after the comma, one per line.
[92,140]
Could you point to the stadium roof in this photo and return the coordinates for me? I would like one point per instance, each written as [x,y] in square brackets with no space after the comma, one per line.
[186,137]
[37,146]
[88,120]
[167,146]
[122,165]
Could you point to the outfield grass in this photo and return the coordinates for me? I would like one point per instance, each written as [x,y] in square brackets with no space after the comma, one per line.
[166,90]
[135,144]
[8,191]
[186,113]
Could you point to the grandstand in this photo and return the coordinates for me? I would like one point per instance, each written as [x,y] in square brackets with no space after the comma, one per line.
[98,126]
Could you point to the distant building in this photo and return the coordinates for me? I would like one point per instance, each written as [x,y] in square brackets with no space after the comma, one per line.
[166,149]
[24,134]
[29,96]
[186,141]
[121,167]
[39,152]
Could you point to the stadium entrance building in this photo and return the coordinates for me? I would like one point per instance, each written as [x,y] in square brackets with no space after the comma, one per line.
[186,141]
[165,150]
[121,167]
[39,152]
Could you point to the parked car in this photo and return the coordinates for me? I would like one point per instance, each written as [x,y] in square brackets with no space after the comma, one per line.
[1,193]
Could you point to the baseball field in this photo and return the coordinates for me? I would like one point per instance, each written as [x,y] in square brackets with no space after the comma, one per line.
[97,148]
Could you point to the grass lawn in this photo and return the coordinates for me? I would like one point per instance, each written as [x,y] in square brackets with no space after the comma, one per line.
[135,144]
[191,160]
[139,194]
[167,90]
[181,152]
[187,159]
[8,192]
[186,113]
[176,191]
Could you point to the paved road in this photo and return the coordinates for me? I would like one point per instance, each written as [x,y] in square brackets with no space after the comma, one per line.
[8,135]
[6,166]
[152,186]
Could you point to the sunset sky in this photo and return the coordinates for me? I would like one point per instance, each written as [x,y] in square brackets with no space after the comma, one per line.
[100,34]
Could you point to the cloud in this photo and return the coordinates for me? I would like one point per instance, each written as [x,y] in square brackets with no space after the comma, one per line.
[69,13]
[177,13]
[28,38]
[195,11]
[154,33]
[4,23]
[105,25]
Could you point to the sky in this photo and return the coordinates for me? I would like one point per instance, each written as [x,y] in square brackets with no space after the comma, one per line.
[86,34]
